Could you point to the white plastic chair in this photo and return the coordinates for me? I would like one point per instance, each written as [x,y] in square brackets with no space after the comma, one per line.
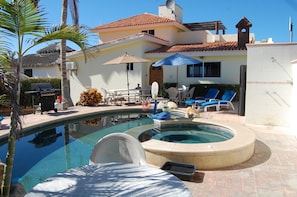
[190,93]
[118,147]
[106,96]
[172,94]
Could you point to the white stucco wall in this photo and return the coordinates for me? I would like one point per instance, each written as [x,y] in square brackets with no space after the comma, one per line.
[168,33]
[294,98]
[94,74]
[270,84]
[230,70]
[190,37]
[46,72]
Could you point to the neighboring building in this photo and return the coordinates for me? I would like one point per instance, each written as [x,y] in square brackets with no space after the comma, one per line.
[45,63]
[154,38]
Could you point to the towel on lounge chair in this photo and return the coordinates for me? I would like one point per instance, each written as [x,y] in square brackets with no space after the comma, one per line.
[161,116]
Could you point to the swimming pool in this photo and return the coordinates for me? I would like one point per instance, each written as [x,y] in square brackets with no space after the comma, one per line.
[57,148]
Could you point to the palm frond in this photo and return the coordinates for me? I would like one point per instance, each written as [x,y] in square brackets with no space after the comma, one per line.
[77,35]
[21,17]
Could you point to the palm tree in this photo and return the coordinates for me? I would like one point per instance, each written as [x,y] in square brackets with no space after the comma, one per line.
[64,82]
[74,12]
[22,21]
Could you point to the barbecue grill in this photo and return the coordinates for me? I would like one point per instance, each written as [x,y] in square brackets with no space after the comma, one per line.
[46,94]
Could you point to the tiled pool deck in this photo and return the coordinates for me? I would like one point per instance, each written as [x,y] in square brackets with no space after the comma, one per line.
[272,171]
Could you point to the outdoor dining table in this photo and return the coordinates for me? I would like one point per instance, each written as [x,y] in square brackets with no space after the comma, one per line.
[112,179]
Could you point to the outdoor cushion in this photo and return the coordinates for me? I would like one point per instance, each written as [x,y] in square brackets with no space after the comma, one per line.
[227,95]
[189,102]
[213,102]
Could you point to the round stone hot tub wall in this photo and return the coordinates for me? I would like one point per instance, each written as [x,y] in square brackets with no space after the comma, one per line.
[205,156]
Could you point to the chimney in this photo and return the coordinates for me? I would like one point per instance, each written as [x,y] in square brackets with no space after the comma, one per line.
[175,12]
[243,35]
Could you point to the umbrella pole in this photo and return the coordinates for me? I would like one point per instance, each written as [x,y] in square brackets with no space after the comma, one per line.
[177,76]
[128,82]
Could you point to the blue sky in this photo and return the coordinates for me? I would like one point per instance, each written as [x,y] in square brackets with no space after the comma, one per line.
[270,18]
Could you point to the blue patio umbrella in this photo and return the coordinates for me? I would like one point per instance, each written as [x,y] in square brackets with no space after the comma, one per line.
[176,60]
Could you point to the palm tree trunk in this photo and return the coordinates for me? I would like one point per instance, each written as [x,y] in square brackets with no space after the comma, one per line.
[9,164]
[64,80]
[15,128]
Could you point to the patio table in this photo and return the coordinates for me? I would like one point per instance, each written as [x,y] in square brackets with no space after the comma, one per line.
[112,179]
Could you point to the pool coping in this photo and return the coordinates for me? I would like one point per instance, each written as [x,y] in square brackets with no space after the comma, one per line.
[54,119]
[206,155]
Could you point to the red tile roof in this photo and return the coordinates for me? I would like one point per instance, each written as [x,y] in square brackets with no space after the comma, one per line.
[198,47]
[138,20]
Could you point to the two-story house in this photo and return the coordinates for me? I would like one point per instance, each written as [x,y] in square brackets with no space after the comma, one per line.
[155,37]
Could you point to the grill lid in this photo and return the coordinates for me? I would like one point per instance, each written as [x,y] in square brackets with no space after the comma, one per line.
[41,86]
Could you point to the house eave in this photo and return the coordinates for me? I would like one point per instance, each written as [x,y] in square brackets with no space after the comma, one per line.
[125,40]
[198,53]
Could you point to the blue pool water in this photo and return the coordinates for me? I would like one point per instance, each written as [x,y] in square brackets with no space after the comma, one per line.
[47,152]
[191,136]
[187,133]
[58,148]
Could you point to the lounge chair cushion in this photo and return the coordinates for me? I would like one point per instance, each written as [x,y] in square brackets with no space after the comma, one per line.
[189,102]
[227,96]
[213,102]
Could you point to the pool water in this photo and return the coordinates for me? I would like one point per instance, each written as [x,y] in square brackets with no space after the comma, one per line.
[190,136]
[52,150]
[186,133]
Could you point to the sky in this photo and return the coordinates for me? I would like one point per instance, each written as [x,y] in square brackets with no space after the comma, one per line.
[269,18]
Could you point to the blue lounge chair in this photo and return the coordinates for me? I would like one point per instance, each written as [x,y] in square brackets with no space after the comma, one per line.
[1,118]
[225,101]
[212,93]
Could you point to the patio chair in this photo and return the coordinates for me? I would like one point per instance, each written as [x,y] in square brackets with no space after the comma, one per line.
[106,96]
[118,147]
[190,93]
[172,94]
[212,93]
[225,101]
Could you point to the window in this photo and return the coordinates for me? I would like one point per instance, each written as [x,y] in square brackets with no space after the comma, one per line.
[208,69]
[130,66]
[195,70]
[151,31]
[212,69]
[28,72]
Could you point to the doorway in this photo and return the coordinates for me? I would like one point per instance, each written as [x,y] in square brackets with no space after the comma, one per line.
[156,74]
